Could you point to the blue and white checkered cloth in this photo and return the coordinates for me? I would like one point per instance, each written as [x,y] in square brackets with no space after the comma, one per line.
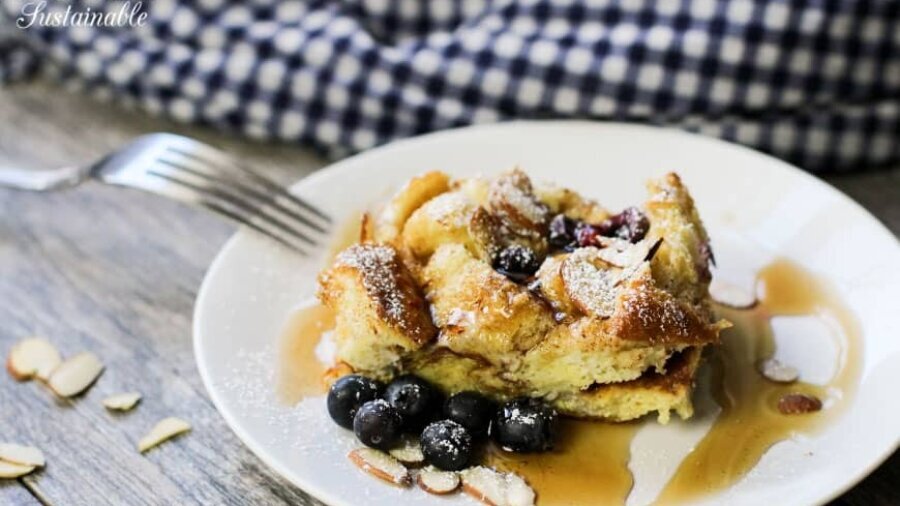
[816,82]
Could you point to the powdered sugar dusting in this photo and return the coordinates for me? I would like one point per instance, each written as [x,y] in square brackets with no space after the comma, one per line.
[449,437]
[381,271]
[303,429]
[515,189]
[512,200]
[450,209]
[666,317]
[592,288]
[375,263]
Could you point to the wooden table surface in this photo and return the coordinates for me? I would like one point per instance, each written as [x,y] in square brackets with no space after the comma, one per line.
[115,272]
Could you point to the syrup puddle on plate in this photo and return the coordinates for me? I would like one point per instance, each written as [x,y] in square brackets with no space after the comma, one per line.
[590,464]
[300,370]
[750,423]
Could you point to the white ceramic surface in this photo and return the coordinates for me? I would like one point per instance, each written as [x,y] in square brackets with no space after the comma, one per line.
[755,208]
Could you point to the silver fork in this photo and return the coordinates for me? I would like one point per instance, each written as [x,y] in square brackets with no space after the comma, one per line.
[189,171]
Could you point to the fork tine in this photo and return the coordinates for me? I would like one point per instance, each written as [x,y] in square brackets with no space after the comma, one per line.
[248,210]
[240,219]
[216,179]
[212,156]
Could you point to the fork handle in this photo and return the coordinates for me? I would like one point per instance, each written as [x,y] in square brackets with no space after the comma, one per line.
[41,180]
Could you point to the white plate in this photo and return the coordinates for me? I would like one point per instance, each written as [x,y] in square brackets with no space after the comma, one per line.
[752,204]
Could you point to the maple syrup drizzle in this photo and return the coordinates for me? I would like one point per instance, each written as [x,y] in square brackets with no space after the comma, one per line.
[588,466]
[299,370]
[590,462]
[750,423]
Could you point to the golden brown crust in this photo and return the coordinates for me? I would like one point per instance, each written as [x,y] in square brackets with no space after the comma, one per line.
[681,265]
[480,311]
[512,197]
[450,218]
[410,197]
[615,319]
[647,314]
[394,294]
[522,217]
[568,202]
[678,376]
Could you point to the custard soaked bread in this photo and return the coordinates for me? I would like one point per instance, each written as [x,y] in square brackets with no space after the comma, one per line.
[496,286]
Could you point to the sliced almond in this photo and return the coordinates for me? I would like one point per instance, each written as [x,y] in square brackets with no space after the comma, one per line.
[730,295]
[76,374]
[122,402]
[798,404]
[166,429]
[511,197]
[774,370]
[23,455]
[435,481]
[32,357]
[409,452]
[12,470]
[380,465]
[495,488]
[590,282]
[622,253]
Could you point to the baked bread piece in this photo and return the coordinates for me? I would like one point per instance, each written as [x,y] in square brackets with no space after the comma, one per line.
[612,330]
[382,314]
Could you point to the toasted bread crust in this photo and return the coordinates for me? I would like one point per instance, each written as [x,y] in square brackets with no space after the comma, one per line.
[380,311]
[612,333]
[481,312]
[644,313]
[410,197]
[394,293]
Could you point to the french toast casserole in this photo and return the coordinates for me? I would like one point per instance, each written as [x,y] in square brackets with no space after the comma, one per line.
[512,288]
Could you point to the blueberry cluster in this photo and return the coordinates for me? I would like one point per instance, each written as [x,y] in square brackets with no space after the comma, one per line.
[448,429]
[567,234]
[519,263]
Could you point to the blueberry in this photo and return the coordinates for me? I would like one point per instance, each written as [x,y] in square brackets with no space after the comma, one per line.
[415,399]
[471,410]
[517,262]
[347,394]
[562,231]
[377,424]
[447,445]
[631,225]
[586,235]
[525,425]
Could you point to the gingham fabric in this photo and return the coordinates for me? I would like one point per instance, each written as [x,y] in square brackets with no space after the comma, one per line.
[814,82]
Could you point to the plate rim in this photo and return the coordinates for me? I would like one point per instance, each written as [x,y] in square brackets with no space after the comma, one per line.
[324,495]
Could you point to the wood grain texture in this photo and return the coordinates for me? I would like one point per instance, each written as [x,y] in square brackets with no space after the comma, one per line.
[116,272]
[11,492]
